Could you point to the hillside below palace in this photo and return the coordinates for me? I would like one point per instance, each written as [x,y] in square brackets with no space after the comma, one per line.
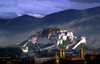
[57,36]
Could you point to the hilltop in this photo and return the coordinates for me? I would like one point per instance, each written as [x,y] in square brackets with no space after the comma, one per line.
[52,38]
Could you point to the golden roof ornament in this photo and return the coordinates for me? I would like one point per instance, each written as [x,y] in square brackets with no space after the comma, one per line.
[56,57]
[53,27]
[53,32]
[63,53]
[60,53]
[81,52]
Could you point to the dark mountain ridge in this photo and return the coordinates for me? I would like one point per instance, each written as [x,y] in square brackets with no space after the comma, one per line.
[26,22]
[71,14]
[22,27]
[23,23]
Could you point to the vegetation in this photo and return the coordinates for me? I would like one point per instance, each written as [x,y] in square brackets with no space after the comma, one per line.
[10,52]
[98,48]
[67,42]
[32,47]
[85,46]
[18,45]
[88,27]
[36,47]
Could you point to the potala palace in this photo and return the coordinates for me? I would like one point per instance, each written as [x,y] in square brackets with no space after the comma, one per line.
[56,36]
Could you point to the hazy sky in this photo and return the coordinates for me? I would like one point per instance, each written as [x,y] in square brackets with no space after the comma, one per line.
[40,8]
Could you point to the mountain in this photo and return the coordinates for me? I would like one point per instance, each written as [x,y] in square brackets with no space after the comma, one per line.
[18,29]
[70,15]
[88,27]
[23,23]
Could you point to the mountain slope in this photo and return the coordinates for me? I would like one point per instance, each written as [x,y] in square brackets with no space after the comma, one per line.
[88,27]
[70,15]
[23,23]
[18,29]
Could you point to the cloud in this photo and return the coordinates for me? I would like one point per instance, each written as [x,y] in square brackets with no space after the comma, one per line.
[18,14]
[13,15]
[86,1]
[9,15]
[39,7]
[36,15]
[1,5]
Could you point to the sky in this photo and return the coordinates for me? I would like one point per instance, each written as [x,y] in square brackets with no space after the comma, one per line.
[41,8]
